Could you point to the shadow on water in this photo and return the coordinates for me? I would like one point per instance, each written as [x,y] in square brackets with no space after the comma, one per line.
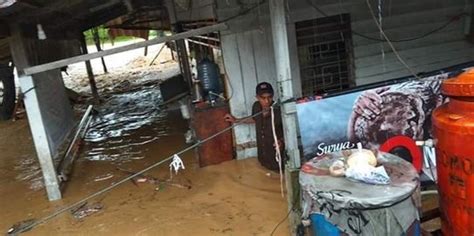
[124,124]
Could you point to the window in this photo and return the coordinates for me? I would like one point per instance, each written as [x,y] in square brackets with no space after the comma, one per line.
[325,54]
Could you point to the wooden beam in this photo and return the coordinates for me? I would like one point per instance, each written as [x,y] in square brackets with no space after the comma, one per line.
[285,89]
[430,214]
[95,35]
[90,73]
[285,82]
[81,58]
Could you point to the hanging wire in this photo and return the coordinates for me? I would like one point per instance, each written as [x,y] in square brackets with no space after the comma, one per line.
[381,36]
[390,43]
[435,30]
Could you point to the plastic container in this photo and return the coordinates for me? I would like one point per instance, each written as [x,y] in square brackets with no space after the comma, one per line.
[453,126]
[208,74]
[321,227]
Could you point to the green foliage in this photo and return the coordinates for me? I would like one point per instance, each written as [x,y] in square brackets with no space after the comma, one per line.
[104,37]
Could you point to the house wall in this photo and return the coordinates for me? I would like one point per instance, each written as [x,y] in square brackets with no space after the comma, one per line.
[188,10]
[247,49]
[401,19]
[249,56]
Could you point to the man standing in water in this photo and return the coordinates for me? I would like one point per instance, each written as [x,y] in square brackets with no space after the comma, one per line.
[263,125]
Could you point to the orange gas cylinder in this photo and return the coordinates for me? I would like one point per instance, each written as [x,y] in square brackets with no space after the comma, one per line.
[453,125]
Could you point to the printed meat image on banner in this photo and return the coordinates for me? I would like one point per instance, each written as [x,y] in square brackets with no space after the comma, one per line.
[370,117]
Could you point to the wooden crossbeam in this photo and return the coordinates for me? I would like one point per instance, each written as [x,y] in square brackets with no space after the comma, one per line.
[87,57]
[431,214]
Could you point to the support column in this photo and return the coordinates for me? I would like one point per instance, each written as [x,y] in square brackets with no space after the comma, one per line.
[40,137]
[285,87]
[49,115]
[95,34]
[90,73]
[180,44]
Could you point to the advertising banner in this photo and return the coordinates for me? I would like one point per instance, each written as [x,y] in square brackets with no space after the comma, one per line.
[370,116]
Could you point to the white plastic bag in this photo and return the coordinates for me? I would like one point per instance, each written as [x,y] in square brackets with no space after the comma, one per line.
[368,174]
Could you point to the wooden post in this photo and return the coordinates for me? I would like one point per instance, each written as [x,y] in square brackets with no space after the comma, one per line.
[146,47]
[40,138]
[90,73]
[285,87]
[180,45]
[95,34]
[184,62]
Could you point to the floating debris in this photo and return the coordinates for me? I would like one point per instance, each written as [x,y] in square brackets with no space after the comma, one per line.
[103,177]
[20,227]
[155,181]
[85,210]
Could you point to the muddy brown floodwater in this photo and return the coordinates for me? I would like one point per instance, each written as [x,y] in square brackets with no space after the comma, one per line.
[131,133]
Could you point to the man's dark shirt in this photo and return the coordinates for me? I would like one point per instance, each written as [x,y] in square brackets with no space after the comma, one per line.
[265,141]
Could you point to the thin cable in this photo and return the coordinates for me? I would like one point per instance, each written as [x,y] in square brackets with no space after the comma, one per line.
[390,43]
[283,220]
[450,21]
[382,48]
[78,203]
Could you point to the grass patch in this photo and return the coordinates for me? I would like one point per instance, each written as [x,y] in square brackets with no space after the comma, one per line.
[104,36]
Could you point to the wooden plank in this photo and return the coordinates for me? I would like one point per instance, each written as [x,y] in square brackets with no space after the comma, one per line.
[285,86]
[249,73]
[239,109]
[359,10]
[429,52]
[72,60]
[207,122]
[410,31]
[430,214]
[294,60]
[285,83]
[264,56]
[434,18]
[402,72]
[416,59]
[435,39]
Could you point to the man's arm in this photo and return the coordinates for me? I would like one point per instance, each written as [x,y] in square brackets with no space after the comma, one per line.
[246,120]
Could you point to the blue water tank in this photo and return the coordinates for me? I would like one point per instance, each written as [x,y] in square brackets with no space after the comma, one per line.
[208,74]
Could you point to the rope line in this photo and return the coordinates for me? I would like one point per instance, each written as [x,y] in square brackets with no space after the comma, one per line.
[277,151]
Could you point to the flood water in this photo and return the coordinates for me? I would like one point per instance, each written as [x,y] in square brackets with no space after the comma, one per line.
[131,132]
[124,123]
